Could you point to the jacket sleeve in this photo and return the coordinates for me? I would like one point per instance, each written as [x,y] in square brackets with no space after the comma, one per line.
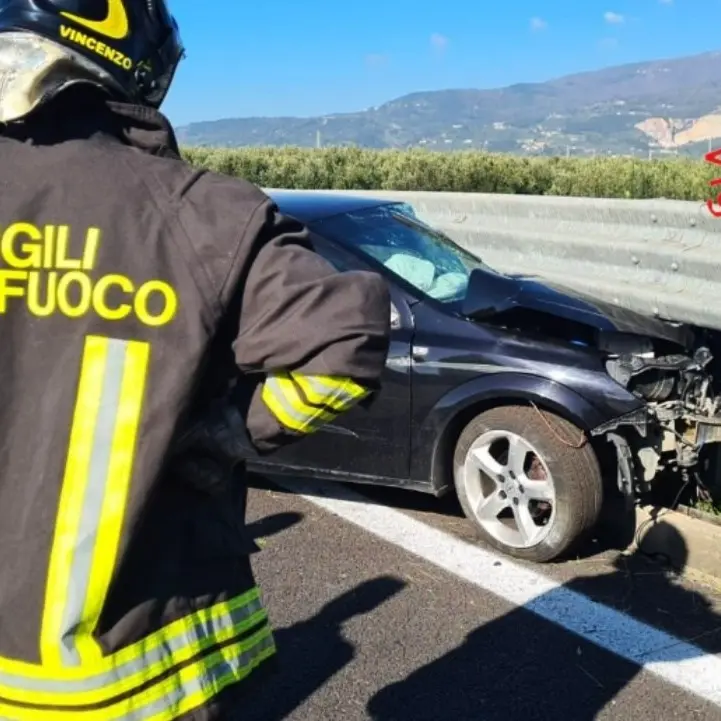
[315,340]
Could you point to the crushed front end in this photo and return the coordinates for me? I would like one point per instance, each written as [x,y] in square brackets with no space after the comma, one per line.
[681,415]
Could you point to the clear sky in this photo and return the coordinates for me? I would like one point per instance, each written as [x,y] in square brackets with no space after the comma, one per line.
[313,57]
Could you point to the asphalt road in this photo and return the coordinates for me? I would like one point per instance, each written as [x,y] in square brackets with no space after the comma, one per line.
[386,609]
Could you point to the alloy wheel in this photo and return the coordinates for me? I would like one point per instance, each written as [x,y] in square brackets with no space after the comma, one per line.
[510,489]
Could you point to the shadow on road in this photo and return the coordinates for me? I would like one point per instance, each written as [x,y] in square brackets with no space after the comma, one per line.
[520,666]
[272,525]
[524,667]
[312,652]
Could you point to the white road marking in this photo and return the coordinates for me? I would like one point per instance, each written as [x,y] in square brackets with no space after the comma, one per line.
[675,661]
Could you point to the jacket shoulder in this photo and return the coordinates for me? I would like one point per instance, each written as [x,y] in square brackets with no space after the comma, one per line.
[213,213]
[181,184]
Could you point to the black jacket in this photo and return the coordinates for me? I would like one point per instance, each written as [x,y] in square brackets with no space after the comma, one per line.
[138,296]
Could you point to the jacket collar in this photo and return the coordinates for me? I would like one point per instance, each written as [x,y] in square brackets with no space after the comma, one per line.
[77,114]
[145,128]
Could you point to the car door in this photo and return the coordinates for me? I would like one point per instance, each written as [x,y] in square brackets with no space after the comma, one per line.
[371,441]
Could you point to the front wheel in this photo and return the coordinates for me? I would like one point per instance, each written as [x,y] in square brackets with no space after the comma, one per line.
[529,480]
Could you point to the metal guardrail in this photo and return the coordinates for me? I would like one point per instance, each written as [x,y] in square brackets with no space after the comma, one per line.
[661,257]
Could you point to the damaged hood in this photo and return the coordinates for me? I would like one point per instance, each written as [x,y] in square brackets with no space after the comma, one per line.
[491,294]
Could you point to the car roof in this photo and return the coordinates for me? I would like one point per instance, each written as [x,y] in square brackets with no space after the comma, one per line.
[310,205]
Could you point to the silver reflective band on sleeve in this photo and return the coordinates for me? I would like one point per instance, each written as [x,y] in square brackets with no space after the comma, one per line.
[339,394]
[303,403]
[283,399]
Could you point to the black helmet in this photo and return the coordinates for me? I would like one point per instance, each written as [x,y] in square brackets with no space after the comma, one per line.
[135,43]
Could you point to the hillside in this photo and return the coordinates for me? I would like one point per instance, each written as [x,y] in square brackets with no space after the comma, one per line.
[670,105]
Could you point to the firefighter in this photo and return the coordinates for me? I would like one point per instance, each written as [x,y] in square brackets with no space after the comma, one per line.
[158,323]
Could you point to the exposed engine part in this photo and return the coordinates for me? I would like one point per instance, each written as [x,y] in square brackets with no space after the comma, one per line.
[708,433]
[656,385]
[681,415]
[656,379]
[650,462]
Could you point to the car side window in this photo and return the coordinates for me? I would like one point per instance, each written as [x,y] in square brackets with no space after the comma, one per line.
[337,257]
[344,262]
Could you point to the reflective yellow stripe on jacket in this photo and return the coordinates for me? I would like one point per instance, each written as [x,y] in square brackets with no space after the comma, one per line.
[108,409]
[304,403]
[74,674]
[136,665]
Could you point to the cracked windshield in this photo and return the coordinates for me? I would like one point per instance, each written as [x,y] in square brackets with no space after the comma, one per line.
[392,235]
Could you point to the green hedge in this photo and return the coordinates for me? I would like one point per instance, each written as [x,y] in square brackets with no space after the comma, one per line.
[354,168]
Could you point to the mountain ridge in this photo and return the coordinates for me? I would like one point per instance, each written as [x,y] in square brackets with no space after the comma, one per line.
[671,105]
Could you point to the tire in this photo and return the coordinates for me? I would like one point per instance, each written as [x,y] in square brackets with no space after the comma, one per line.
[564,477]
